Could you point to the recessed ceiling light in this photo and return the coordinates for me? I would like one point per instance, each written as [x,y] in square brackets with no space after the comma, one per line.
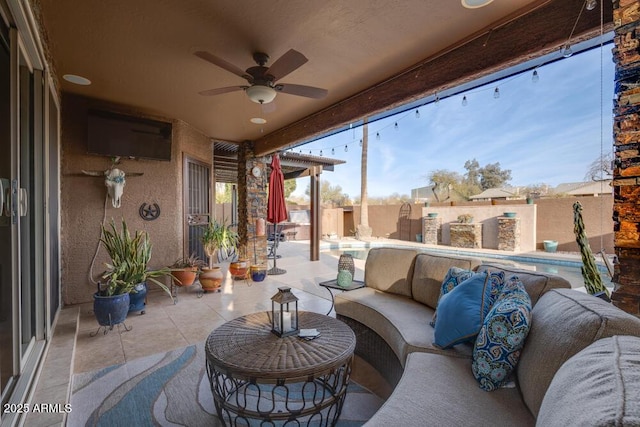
[474,4]
[78,80]
[258,120]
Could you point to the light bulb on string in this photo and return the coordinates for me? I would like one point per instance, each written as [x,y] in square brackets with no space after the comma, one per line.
[360,142]
[591,4]
[320,153]
[437,98]
[417,114]
[496,93]
[395,126]
[464,101]
[346,148]
[566,51]
[535,77]
[378,136]
[333,151]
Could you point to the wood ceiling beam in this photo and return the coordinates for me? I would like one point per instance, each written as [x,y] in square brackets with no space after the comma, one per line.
[532,35]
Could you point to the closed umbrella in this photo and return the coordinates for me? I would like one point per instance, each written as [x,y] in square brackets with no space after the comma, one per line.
[276,207]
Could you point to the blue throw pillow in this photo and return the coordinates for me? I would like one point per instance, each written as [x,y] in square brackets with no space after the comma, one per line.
[453,278]
[497,348]
[462,311]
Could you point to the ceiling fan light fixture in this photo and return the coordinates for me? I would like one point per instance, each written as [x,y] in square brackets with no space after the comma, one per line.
[474,4]
[261,94]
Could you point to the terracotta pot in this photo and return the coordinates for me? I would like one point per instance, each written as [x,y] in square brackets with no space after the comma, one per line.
[211,278]
[185,277]
[239,269]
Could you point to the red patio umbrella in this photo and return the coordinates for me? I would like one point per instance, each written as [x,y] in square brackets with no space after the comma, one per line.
[276,207]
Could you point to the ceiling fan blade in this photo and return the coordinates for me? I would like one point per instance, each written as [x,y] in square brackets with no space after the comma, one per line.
[290,61]
[221,90]
[300,90]
[209,57]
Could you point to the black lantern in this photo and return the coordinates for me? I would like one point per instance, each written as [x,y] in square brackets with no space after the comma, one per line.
[284,313]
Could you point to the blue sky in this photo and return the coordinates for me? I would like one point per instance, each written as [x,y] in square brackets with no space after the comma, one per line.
[544,132]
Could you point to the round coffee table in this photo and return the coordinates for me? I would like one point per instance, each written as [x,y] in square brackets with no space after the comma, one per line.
[256,375]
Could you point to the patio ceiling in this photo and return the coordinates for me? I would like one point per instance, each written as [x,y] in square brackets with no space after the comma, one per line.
[370,55]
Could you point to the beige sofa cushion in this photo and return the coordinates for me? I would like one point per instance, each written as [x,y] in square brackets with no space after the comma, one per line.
[429,272]
[402,322]
[389,270]
[598,386]
[436,390]
[535,283]
[565,321]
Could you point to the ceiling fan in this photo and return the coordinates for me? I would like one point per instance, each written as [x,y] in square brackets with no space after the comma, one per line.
[262,80]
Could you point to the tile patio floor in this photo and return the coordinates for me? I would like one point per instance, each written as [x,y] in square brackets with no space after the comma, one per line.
[166,326]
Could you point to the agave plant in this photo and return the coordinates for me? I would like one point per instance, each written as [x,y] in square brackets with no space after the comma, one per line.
[130,257]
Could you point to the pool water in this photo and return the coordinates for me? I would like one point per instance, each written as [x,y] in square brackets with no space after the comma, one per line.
[570,270]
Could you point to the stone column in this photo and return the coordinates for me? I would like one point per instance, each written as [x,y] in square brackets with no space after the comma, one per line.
[252,204]
[626,173]
[508,234]
[431,230]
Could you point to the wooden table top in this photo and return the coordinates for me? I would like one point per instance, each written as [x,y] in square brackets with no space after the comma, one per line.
[246,348]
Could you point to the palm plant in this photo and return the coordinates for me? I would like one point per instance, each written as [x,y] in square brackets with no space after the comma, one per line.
[130,257]
[218,236]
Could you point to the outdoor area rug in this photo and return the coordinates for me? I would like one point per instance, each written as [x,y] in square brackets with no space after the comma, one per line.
[171,389]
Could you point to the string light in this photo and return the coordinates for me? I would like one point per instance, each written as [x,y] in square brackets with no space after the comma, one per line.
[378,136]
[591,4]
[437,98]
[566,51]
[496,93]
[360,142]
[464,101]
[333,151]
[320,153]
[417,114]
[395,126]
[346,148]
[535,77]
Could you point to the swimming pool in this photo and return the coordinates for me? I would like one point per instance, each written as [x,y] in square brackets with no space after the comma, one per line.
[570,270]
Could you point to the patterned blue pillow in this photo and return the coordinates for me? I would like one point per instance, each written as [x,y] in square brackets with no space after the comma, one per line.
[504,330]
[462,311]
[453,278]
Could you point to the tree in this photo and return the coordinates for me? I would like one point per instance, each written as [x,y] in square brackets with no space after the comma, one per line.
[330,195]
[492,176]
[472,177]
[601,168]
[363,229]
[289,187]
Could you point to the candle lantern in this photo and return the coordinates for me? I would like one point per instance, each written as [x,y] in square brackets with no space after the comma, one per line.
[284,313]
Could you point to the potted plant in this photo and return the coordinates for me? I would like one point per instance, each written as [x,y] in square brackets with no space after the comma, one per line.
[465,218]
[217,236]
[125,273]
[184,270]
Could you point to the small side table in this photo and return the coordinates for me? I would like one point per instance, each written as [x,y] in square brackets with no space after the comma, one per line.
[333,284]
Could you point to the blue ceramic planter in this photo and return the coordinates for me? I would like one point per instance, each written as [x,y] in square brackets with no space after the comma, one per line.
[137,299]
[110,311]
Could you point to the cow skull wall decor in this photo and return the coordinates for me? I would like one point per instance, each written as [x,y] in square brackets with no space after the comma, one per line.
[114,180]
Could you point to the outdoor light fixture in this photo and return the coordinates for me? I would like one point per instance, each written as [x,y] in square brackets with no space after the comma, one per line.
[474,4]
[261,94]
[591,4]
[535,77]
[284,318]
[566,51]
[78,80]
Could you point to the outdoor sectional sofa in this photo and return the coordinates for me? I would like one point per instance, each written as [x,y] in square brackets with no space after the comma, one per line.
[580,364]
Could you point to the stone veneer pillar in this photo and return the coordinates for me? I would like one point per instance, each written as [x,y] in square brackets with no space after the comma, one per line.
[431,230]
[508,234]
[252,204]
[626,173]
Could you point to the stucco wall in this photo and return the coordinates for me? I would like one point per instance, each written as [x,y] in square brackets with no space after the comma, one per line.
[83,198]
